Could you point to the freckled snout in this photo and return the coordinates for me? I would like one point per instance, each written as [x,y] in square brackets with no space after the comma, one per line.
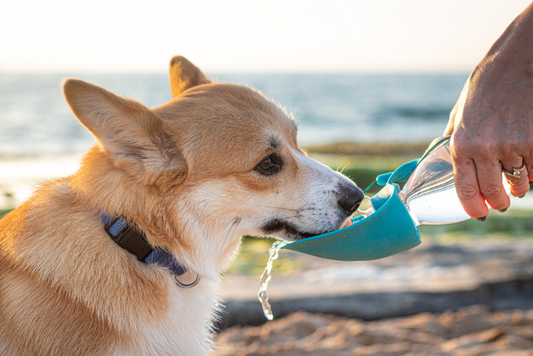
[350,198]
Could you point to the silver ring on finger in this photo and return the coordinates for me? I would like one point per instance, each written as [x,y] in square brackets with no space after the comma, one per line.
[515,173]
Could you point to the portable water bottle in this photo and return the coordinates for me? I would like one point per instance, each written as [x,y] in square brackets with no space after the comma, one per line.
[429,197]
[429,194]
[391,224]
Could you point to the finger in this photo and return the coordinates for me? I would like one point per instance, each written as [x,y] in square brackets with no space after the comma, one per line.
[519,185]
[466,184]
[490,183]
[457,110]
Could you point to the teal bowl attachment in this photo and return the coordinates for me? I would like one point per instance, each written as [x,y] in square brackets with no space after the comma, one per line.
[389,230]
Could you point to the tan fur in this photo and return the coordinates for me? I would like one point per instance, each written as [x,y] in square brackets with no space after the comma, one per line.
[184,75]
[185,174]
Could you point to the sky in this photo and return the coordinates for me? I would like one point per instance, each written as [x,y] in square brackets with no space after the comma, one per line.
[251,36]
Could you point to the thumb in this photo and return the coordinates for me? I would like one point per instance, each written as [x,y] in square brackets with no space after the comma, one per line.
[451,122]
[457,110]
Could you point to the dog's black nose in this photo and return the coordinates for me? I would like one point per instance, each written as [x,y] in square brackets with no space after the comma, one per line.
[350,198]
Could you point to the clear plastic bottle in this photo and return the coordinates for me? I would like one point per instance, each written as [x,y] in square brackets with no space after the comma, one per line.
[429,194]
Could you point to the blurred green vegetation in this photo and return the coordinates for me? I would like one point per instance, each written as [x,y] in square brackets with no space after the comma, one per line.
[363,168]
[363,177]
[511,224]
[253,258]
[4,212]
[370,149]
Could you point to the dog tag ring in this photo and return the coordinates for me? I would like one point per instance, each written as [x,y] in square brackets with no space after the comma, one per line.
[184,285]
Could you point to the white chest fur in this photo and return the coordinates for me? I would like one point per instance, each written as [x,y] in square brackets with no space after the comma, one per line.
[186,327]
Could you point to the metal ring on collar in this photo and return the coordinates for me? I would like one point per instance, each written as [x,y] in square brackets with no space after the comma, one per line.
[190,285]
[516,172]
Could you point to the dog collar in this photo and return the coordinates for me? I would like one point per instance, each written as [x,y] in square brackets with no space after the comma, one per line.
[134,241]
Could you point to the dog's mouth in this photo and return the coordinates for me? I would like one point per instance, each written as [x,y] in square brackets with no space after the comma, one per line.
[286,230]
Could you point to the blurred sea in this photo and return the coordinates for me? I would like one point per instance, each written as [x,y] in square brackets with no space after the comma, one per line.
[35,119]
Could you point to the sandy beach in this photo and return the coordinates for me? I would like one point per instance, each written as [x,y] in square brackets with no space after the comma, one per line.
[470,298]
[467,332]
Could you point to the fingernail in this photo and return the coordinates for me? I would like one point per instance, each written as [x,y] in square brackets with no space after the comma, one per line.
[522,196]
[483,218]
[503,210]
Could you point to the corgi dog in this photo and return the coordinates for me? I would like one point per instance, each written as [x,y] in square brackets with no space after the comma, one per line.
[124,257]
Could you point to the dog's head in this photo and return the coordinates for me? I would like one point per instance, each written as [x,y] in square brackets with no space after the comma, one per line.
[217,162]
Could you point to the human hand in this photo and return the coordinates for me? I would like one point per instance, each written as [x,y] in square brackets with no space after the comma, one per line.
[492,129]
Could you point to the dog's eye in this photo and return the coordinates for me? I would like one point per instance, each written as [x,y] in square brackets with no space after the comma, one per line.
[269,165]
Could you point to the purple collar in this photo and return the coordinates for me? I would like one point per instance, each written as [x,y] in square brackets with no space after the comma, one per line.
[132,239]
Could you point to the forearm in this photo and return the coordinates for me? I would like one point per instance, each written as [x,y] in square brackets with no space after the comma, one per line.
[512,53]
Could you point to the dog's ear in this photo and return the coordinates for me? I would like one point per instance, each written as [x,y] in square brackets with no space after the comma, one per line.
[134,135]
[184,75]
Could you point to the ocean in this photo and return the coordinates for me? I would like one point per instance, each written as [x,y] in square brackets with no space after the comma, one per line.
[35,119]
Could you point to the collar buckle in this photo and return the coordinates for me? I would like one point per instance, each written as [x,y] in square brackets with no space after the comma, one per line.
[128,237]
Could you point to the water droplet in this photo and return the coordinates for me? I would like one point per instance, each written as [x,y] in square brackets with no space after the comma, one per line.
[266,276]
